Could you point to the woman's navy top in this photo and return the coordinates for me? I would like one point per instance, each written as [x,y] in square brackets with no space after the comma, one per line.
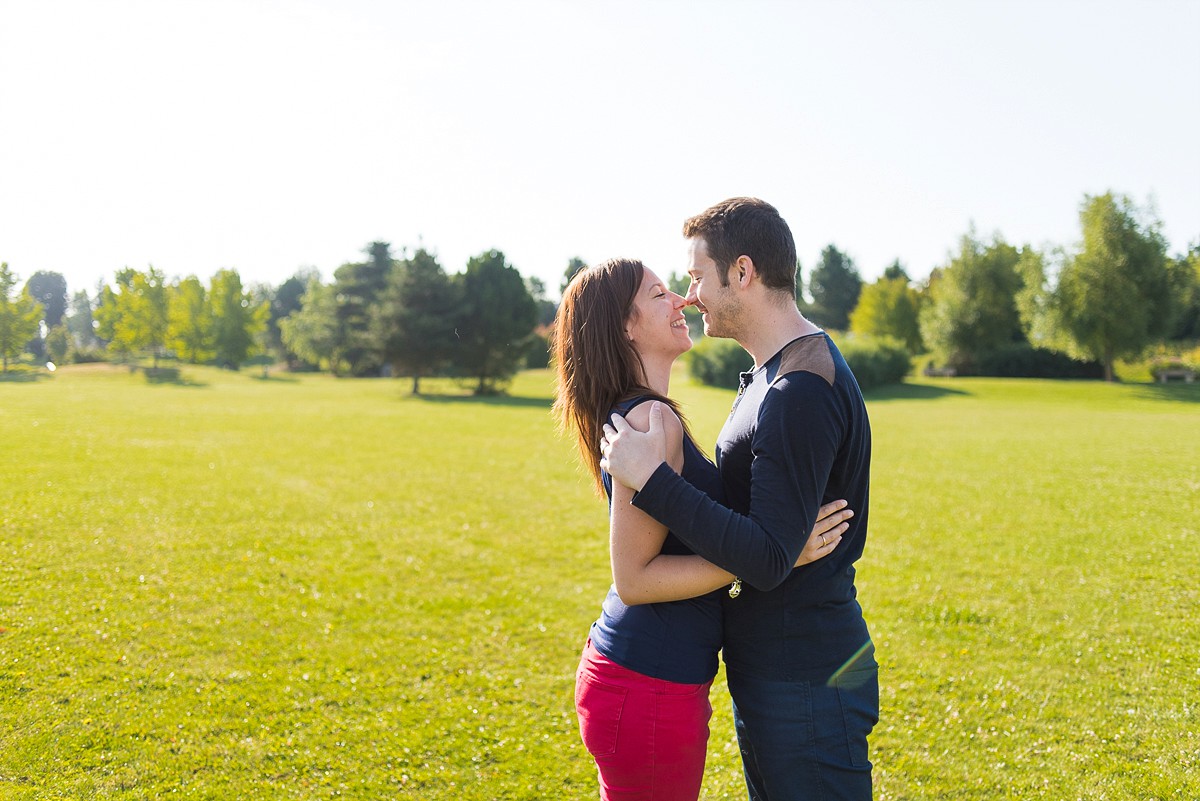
[677,640]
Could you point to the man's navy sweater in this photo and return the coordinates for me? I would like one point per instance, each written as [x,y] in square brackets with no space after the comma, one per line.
[797,437]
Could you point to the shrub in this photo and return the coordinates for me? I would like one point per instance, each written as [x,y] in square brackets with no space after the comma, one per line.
[86,355]
[1021,360]
[718,362]
[875,361]
[538,355]
[1162,364]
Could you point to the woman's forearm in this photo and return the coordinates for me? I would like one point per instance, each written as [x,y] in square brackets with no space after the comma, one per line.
[668,577]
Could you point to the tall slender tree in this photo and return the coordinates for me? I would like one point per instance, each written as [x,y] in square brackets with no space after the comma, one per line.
[496,320]
[834,285]
[889,307]
[971,306]
[134,316]
[50,290]
[19,317]
[1185,292]
[81,323]
[574,266]
[311,332]
[189,321]
[237,319]
[1113,296]
[285,299]
[414,324]
[358,287]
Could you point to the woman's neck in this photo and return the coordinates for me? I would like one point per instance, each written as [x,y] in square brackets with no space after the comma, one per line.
[657,374]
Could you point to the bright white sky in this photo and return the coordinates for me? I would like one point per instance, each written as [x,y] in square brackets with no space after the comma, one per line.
[273,135]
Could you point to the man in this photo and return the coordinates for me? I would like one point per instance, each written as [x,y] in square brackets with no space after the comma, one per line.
[799,660]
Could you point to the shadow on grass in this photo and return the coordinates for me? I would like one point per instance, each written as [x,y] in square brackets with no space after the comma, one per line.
[1181,392]
[484,400]
[168,375]
[912,392]
[23,376]
[276,379]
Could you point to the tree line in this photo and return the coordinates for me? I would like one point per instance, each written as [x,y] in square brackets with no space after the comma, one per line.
[997,309]
[380,316]
[992,308]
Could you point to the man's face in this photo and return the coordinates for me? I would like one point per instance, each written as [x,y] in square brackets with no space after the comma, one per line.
[720,305]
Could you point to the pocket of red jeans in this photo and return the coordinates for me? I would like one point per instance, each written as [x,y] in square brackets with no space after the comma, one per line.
[599,708]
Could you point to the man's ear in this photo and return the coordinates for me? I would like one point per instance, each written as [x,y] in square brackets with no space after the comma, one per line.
[743,271]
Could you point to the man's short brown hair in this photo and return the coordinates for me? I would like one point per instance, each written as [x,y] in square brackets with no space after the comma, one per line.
[747,226]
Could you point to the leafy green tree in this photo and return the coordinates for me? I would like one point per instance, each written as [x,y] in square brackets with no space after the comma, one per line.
[236,319]
[58,344]
[497,317]
[1185,292]
[890,307]
[834,286]
[19,317]
[679,284]
[546,308]
[1113,297]
[108,315]
[1033,300]
[134,316]
[971,306]
[50,290]
[359,286]
[574,267]
[311,332]
[415,321]
[896,270]
[189,321]
[81,323]
[801,299]
[285,299]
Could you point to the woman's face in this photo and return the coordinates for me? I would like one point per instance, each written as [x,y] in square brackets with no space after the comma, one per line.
[656,325]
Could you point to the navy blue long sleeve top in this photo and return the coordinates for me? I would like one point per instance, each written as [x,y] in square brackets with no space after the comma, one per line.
[798,436]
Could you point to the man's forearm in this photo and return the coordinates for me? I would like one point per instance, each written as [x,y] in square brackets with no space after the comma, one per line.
[729,540]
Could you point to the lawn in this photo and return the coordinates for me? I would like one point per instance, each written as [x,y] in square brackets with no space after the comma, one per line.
[218,586]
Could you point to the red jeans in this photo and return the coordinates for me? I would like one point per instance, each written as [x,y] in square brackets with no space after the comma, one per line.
[648,736]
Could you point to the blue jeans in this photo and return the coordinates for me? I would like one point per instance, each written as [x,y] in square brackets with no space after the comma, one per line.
[807,740]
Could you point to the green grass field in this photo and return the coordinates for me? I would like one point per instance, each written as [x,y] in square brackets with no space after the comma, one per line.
[218,586]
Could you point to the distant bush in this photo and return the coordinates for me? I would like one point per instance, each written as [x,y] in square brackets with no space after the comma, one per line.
[1166,364]
[86,355]
[1021,360]
[718,362]
[875,361]
[538,355]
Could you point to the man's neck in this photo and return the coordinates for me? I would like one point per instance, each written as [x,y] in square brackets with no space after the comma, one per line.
[772,327]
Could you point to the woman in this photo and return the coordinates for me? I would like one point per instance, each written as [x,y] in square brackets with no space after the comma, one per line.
[641,691]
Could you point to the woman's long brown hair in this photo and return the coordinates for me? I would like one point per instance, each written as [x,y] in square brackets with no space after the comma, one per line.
[597,366]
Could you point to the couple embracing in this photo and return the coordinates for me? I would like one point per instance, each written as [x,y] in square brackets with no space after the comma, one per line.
[752,556]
